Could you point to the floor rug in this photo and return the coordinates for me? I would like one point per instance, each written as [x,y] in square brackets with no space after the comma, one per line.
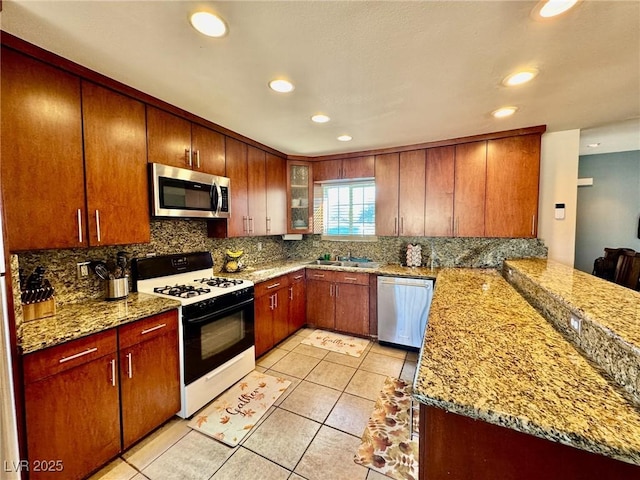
[387,444]
[335,342]
[234,413]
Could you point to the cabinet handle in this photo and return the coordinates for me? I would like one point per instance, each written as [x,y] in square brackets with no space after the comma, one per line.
[245,225]
[395,225]
[351,278]
[318,275]
[273,286]
[401,225]
[271,302]
[331,289]
[129,365]
[451,224]
[78,355]
[455,227]
[275,297]
[187,157]
[290,293]
[113,372]
[533,225]
[250,224]
[197,155]
[98,225]
[336,290]
[298,277]
[268,224]
[80,225]
[153,329]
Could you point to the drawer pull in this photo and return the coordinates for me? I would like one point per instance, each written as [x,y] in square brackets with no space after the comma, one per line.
[153,329]
[78,355]
[298,277]
[351,278]
[318,275]
[113,372]
[129,366]
[273,286]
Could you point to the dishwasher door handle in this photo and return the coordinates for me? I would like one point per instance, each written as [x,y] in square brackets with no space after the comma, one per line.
[417,284]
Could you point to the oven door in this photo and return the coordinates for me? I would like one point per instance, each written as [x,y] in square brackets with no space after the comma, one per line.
[215,338]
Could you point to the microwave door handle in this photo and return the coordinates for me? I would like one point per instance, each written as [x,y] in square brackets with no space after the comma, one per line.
[213,195]
[219,190]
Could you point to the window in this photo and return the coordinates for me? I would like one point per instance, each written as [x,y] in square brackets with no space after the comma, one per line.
[348,209]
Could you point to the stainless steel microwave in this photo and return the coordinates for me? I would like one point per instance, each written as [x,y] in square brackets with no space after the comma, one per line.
[178,192]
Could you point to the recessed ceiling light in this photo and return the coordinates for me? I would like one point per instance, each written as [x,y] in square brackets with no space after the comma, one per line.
[281,86]
[345,138]
[320,118]
[208,24]
[518,78]
[552,8]
[504,112]
[593,145]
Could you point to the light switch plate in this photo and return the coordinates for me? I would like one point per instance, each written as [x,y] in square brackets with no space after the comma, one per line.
[575,323]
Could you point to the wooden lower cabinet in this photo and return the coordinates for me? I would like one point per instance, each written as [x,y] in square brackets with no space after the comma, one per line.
[74,398]
[297,301]
[149,382]
[71,406]
[456,447]
[271,310]
[338,301]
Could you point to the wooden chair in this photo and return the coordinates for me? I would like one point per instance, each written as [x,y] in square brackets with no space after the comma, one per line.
[627,271]
[605,267]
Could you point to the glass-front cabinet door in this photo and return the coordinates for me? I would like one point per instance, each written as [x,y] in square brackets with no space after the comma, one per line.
[299,197]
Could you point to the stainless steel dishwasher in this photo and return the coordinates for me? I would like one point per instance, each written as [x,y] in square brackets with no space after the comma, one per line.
[403,309]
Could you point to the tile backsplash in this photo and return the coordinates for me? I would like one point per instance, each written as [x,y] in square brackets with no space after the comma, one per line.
[177,236]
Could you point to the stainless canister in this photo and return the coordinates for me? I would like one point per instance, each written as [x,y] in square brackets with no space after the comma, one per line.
[117,288]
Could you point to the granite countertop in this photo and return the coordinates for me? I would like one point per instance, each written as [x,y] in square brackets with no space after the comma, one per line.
[489,355]
[76,320]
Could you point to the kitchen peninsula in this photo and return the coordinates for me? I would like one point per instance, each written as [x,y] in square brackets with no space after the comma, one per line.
[490,361]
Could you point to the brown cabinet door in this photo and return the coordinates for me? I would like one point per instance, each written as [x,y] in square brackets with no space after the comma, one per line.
[469,197]
[411,197]
[149,381]
[320,304]
[208,150]
[257,191]
[387,177]
[439,186]
[42,163]
[297,302]
[276,168]
[352,308]
[299,197]
[115,153]
[360,167]
[281,315]
[327,170]
[168,139]
[263,323]
[513,173]
[72,411]
[236,160]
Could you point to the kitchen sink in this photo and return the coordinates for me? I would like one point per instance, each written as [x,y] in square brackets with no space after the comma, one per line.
[345,263]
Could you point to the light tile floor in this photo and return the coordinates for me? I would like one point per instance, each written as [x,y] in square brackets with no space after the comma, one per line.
[312,431]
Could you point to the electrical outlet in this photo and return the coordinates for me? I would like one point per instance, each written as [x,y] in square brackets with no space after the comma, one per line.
[259,246]
[82,269]
[575,323]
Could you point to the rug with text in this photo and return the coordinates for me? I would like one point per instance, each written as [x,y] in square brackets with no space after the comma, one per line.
[234,413]
[336,342]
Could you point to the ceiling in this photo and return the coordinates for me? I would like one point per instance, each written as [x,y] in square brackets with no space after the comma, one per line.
[387,73]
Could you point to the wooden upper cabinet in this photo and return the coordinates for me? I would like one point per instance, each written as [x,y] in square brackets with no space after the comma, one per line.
[439,188]
[115,152]
[513,173]
[42,164]
[411,193]
[236,166]
[208,150]
[169,139]
[257,193]
[359,167]
[470,183]
[276,168]
[387,169]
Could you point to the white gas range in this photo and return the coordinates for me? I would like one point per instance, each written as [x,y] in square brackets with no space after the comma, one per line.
[217,322]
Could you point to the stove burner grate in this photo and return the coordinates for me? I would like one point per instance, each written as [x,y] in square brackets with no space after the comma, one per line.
[182,291]
[220,282]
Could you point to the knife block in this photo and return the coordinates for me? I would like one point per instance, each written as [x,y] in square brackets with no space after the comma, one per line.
[34,311]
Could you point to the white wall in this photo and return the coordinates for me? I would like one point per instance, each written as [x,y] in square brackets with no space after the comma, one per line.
[558,184]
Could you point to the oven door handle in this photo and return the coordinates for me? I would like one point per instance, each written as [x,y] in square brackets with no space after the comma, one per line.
[217,314]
